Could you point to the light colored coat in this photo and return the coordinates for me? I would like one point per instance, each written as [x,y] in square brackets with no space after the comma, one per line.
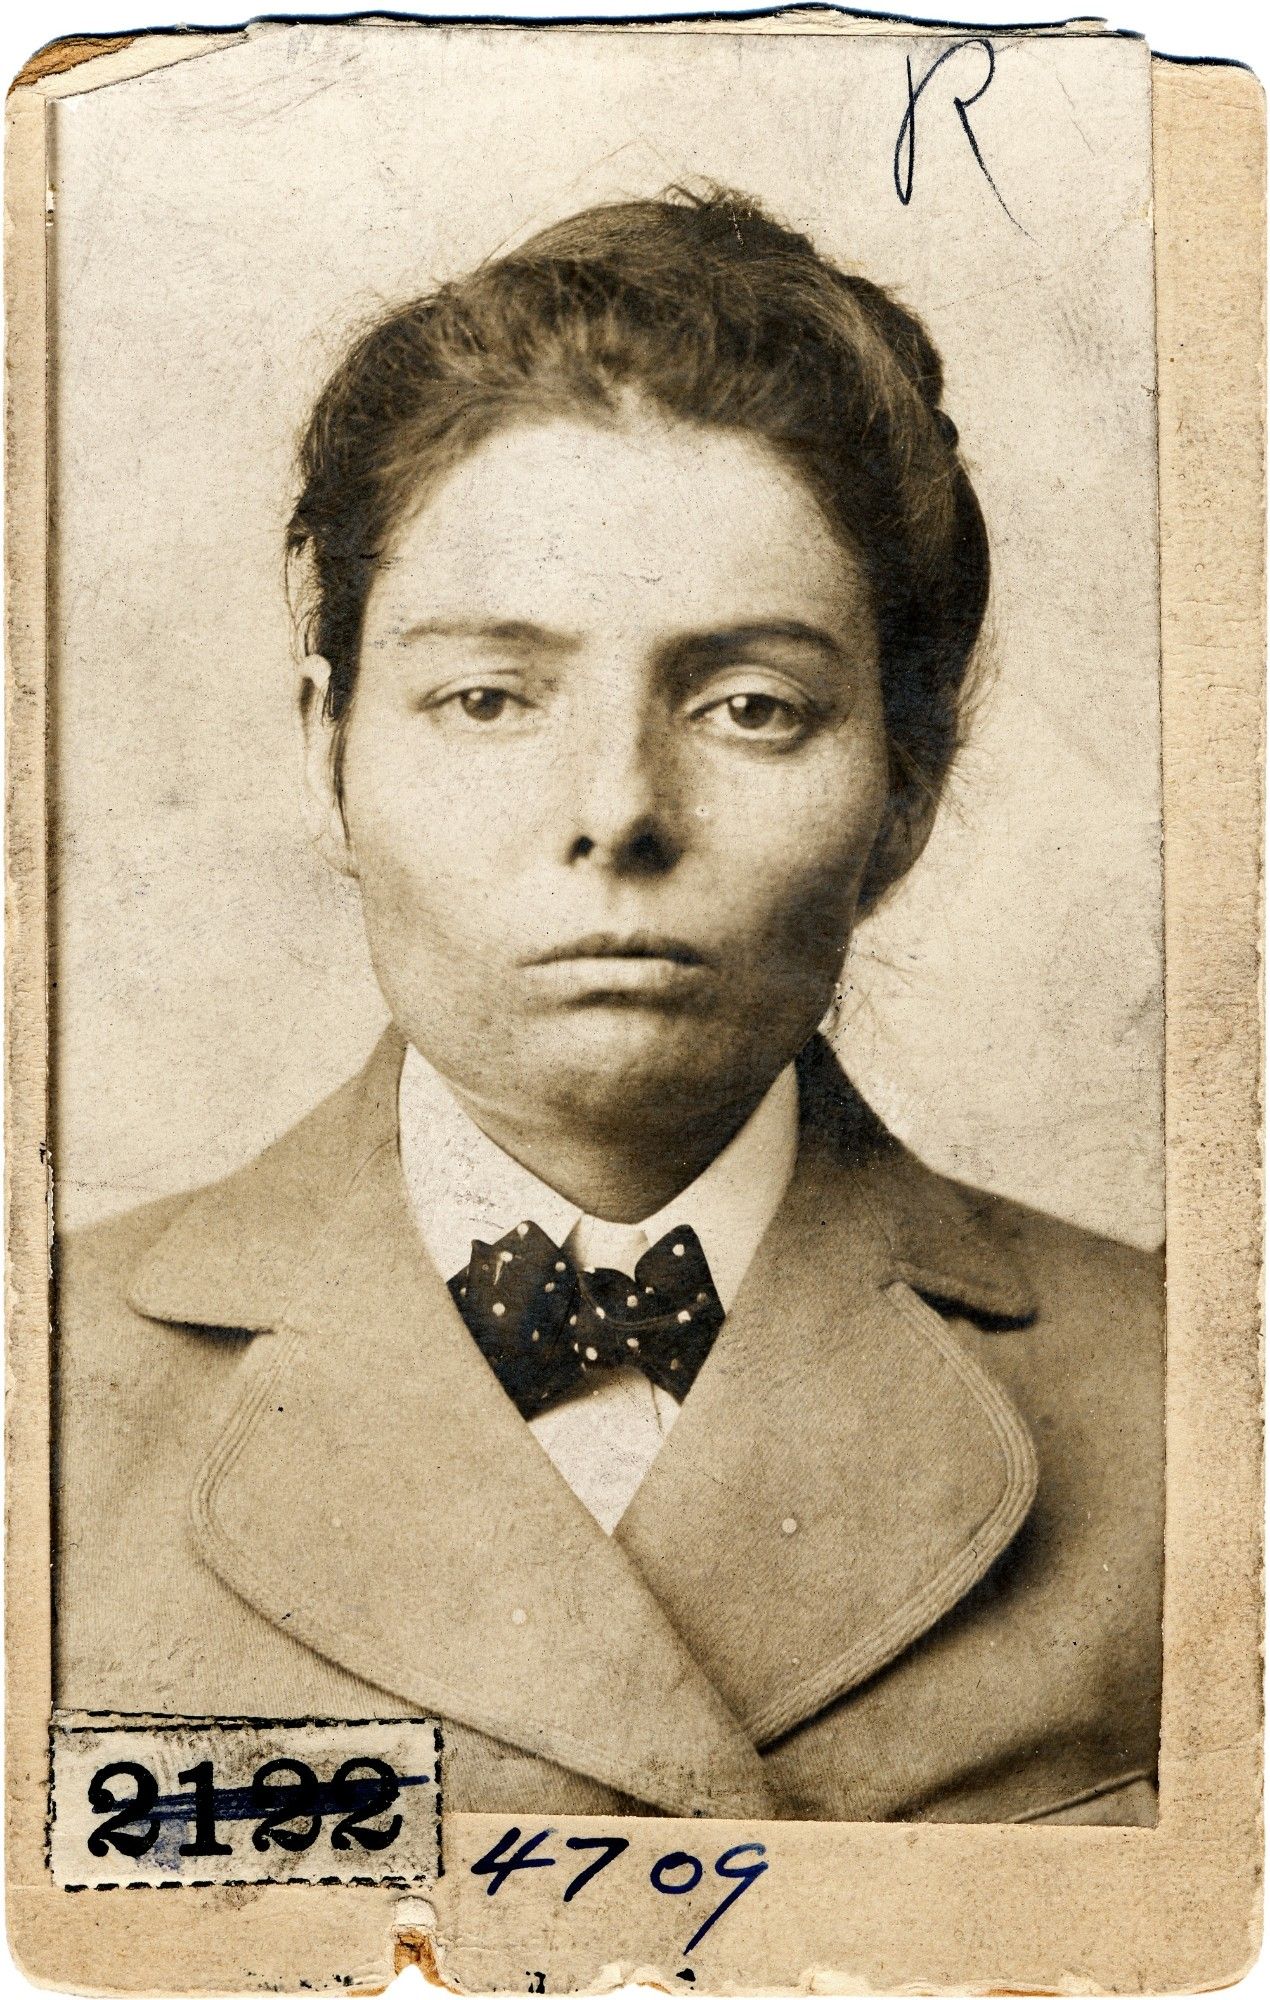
[900,1556]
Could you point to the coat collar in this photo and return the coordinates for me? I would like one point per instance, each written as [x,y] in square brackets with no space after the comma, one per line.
[648,1660]
[230,1257]
[878,1472]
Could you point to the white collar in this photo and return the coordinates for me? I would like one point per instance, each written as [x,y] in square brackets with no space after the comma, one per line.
[463,1188]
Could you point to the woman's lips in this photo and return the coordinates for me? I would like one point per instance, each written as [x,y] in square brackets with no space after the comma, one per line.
[621,945]
[639,967]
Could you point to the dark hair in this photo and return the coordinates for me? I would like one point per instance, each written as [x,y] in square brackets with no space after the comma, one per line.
[719,315]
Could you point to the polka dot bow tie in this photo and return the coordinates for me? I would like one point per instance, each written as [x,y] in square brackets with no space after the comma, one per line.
[546,1328]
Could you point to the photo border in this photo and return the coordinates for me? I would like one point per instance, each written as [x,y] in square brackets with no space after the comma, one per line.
[844,1905]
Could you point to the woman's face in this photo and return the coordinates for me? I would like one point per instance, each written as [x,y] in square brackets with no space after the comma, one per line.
[613,772]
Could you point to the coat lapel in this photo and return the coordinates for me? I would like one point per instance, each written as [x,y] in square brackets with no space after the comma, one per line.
[843,1471]
[374,1491]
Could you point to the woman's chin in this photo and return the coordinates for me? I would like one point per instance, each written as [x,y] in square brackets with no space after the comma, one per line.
[621,1068]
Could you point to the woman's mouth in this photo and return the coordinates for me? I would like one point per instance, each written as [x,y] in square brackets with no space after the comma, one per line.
[632,968]
[622,945]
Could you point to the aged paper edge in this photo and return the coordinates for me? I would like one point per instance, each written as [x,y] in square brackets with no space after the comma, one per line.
[85,62]
[861,1907]
[55,58]
[88,62]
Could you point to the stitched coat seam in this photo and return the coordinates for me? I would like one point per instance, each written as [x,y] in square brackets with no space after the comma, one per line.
[902,1626]
[1105,1789]
[867,1655]
[253,1584]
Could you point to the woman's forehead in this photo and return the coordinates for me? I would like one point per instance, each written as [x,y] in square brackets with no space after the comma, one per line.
[648,522]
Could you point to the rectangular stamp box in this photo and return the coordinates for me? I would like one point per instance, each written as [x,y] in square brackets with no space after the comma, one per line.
[199,1802]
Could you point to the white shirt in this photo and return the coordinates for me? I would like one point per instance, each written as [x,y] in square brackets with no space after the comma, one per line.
[464,1189]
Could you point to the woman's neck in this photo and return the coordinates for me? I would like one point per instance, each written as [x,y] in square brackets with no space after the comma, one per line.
[622,1178]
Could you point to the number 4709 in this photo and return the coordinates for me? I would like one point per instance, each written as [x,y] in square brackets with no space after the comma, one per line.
[674,1874]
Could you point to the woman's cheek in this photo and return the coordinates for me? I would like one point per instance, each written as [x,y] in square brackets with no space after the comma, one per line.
[438,881]
[422,818]
[805,848]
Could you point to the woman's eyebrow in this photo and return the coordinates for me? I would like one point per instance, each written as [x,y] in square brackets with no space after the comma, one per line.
[513,634]
[703,646]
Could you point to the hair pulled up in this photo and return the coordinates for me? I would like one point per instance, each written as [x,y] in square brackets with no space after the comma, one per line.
[716,314]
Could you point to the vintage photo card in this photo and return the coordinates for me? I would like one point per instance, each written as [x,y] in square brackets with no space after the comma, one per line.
[634,826]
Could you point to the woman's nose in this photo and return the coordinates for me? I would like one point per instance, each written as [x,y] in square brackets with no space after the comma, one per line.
[624,814]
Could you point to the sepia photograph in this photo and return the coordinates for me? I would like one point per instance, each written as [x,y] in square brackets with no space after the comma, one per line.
[606,859]
[640,580]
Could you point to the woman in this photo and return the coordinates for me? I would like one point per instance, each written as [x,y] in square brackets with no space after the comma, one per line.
[594,1371]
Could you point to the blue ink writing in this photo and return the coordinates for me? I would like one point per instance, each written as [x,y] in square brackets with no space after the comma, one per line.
[286,1798]
[611,1846]
[675,1873]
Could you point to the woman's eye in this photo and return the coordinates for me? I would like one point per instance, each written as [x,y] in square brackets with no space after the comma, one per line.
[481,704]
[755,711]
[755,714]
[487,706]
[484,704]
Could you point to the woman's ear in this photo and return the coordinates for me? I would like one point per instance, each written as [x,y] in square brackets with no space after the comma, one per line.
[905,830]
[323,809]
